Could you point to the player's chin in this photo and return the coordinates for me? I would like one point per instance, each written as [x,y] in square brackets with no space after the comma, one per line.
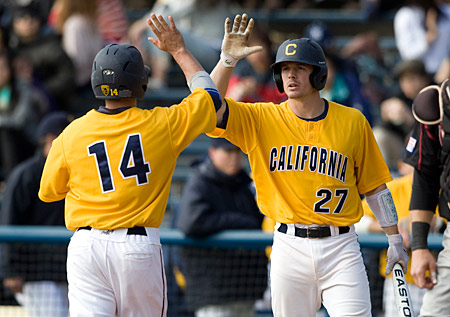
[291,93]
[294,92]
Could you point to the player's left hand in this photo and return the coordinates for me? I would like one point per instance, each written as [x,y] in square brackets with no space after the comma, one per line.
[169,37]
[235,42]
[396,253]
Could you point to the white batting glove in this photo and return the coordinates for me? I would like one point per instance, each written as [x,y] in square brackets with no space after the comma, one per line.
[234,44]
[396,253]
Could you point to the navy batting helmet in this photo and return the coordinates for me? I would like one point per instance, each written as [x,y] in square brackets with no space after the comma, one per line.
[301,51]
[118,72]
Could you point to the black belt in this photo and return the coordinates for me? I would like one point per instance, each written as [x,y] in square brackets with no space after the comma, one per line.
[313,232]
[135,230]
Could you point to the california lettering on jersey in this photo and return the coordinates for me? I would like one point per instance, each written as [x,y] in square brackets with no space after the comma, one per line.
[311,158]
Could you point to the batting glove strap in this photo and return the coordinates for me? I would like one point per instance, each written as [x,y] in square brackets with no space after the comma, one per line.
[228,60]
[396,253]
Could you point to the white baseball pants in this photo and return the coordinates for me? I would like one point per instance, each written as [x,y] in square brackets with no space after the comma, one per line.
[307,272]
[111,273]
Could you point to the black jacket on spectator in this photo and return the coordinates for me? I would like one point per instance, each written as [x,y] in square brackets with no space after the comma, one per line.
[22,206]
[52,67]
[212,202]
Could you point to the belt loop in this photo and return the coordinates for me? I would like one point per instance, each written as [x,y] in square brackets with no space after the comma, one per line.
[277,226]
[334,230]
[290,229]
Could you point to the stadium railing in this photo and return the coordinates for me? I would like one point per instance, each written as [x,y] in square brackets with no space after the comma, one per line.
[248,239]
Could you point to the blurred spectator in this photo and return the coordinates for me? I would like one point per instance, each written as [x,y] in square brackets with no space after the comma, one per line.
[422,31]
[252,78]
[36,273]
[444,71]
[221,282]
[51,66]
[43,8]
[21,108]
[111,19]
[401,188]
[373,9]
[3,37]
[197,22]
[396,122]
[374,71]
[81,39]
[412,78]
[396,119]
[343,85]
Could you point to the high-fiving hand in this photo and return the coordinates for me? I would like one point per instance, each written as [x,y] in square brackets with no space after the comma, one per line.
[169,37]
[235,43]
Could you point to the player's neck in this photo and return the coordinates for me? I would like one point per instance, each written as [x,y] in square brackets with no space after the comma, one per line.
[120,103]
[307,107]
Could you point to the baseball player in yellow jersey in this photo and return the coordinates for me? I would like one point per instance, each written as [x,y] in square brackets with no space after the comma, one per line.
[114,167]
[311,160]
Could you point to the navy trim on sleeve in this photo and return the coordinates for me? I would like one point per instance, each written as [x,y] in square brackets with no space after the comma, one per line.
[215,97]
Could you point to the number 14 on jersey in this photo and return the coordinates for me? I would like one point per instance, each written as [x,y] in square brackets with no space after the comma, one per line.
[132,162]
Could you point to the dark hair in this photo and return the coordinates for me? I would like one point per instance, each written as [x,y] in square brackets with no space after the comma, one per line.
[412,66]
[31,9]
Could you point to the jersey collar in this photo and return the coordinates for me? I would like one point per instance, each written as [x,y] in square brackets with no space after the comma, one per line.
[321,116]
[104,110]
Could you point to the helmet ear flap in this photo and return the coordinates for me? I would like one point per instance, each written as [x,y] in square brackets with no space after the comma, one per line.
[278,80]
[318,77]
[147,75]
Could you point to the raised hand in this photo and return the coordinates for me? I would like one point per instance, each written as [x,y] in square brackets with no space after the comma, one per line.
[235,43]
[169,38]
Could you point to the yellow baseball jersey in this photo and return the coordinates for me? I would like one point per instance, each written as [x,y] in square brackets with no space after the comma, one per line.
[307,171]
[115,170]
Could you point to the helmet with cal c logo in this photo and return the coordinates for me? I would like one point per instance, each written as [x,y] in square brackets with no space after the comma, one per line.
[305,51]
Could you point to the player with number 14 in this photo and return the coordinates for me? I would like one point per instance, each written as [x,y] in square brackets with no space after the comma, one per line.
[114,167]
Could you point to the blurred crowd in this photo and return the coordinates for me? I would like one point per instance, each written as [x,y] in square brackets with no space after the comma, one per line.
[46,54]
[47,48]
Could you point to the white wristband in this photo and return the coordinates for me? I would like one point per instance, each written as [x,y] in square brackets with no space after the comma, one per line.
[228,60]
[383,207]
